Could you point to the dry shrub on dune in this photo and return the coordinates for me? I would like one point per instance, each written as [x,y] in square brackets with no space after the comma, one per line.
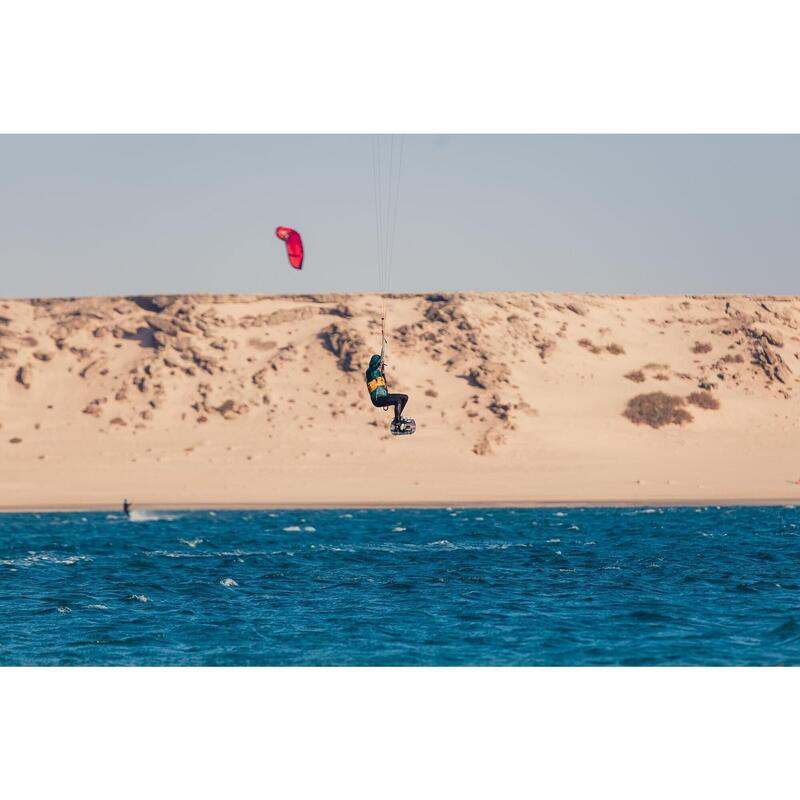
[701,347]
[614,349]
[703,400]
[587,344]
[657,409]
[637,376]
[261,344]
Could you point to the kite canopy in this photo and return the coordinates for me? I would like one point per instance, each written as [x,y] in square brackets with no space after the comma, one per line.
[294,245]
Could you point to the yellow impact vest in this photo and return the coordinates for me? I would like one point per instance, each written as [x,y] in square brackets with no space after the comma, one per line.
[374,384]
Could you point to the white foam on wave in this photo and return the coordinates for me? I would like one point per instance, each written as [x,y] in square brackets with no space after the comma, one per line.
[398,529]
[191,542]
[140,515]
[98,606]
[140,598]
[34,557]
[442,542]
[345,516]
[310,529]
[553,541]
[228,582]
[64,610]
[292,529]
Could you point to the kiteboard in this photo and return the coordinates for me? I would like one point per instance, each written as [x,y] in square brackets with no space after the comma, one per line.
[405,428]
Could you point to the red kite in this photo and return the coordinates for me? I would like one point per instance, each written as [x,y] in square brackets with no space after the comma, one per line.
[294,246]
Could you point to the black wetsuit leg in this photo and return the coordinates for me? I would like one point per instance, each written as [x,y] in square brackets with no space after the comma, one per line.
[397,400]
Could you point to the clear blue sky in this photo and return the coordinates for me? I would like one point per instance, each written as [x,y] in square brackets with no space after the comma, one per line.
[84,215]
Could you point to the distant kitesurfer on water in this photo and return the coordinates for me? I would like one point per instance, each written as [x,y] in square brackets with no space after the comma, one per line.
[382,398]
[126,508]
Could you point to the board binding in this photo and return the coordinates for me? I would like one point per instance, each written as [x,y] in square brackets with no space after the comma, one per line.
[405,427]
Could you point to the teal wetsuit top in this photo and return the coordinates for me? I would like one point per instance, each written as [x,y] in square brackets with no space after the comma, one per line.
[376,381]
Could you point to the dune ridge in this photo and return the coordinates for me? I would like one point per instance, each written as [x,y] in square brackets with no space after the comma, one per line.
[519,398]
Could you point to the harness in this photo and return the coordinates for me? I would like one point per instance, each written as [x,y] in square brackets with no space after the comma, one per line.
[375,383]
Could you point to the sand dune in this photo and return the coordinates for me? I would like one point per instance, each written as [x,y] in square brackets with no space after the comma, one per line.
[523,398]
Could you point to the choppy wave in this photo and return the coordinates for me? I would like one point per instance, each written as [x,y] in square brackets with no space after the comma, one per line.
[142,515]
[191,542]
[426,586]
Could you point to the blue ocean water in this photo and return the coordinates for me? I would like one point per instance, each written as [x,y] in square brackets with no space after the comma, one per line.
[570,586]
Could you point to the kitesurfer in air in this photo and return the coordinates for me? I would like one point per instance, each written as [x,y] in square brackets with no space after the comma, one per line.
[379,392]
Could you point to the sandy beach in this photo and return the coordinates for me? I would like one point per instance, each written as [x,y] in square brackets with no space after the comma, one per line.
[243,400]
